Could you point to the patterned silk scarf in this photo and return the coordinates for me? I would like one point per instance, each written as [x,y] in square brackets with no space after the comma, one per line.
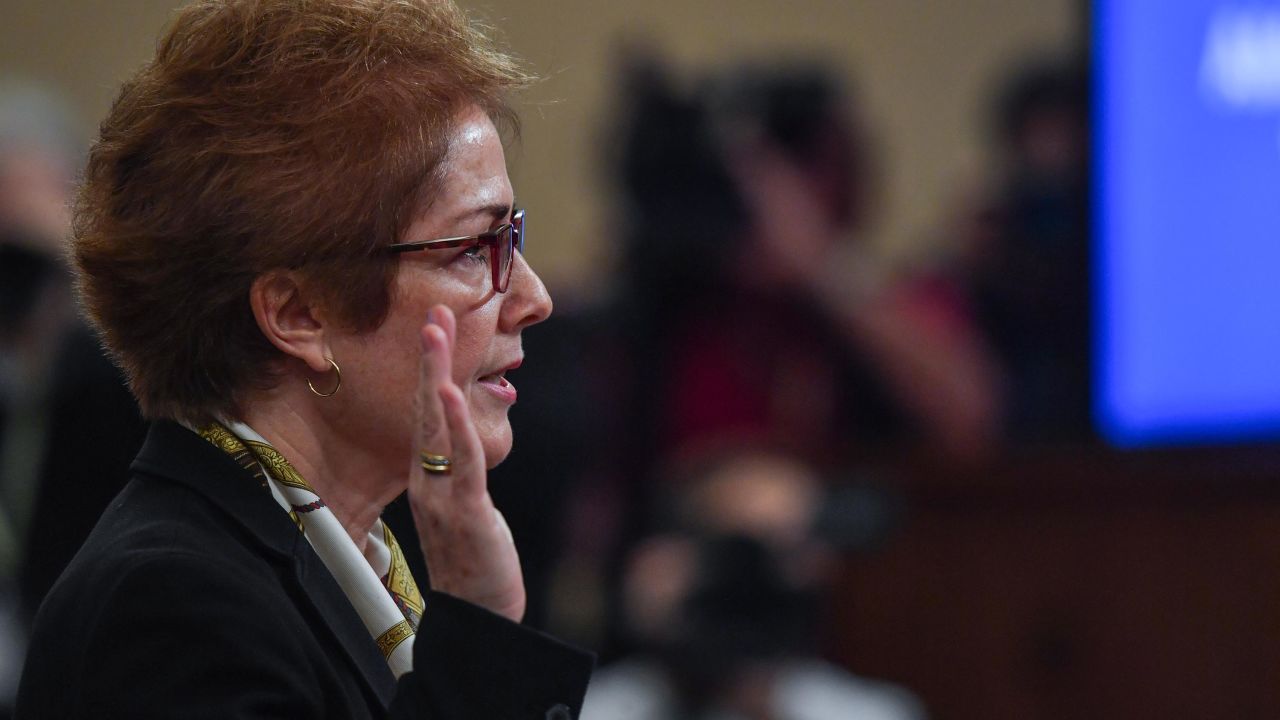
[377,583]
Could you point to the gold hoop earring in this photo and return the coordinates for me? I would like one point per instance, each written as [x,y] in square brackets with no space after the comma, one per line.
[338,384]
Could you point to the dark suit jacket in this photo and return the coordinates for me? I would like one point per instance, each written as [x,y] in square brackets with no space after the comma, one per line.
[195,596]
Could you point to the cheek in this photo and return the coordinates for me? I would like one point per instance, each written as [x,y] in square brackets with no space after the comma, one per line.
[473,345]
[467,359]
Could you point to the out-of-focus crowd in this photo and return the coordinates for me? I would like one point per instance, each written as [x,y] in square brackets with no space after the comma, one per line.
[697,447]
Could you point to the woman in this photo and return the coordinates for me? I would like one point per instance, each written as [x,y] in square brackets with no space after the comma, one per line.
[297,237]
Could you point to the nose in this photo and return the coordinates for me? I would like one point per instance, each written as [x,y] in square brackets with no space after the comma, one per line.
[526,301]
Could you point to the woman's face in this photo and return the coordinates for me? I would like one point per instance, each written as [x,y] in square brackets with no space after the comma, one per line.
[380,368]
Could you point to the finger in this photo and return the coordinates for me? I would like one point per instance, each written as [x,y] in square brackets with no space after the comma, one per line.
[445,318]
[433,373]
[469,467]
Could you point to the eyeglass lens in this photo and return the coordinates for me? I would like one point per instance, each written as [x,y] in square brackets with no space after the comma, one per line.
[513,240]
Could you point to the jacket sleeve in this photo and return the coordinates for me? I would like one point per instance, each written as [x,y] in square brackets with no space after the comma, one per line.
[470,663]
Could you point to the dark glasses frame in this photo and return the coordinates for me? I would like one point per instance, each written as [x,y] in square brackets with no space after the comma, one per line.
[503,243]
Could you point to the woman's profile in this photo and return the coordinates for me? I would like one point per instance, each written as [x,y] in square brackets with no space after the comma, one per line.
[297,237]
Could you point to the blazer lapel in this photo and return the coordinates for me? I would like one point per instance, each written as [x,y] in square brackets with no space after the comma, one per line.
[171,452]
[324,594]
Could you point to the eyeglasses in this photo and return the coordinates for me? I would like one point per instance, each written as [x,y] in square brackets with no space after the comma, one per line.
[503,242]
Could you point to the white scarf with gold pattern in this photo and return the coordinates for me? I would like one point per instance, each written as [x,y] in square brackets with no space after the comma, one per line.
[378,582]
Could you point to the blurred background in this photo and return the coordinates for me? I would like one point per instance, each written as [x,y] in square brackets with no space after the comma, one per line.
[924,72]
[857,402]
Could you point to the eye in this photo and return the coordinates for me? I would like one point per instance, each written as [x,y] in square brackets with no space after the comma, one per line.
[477,253]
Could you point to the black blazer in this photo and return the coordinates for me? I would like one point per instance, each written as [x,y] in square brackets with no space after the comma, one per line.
[195,597]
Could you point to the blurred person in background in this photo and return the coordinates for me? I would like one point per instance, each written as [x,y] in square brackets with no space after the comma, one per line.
[748,308]
[57,387]
[752,306]
[37,157]
[298,238]
[724,611]
[1025,249]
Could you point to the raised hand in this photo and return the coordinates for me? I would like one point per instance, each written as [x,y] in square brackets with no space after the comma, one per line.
[793,233]
[467,545]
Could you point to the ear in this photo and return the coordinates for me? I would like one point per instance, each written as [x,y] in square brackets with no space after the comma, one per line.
[289,319]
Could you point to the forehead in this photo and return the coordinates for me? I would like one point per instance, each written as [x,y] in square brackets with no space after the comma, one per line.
[474,172]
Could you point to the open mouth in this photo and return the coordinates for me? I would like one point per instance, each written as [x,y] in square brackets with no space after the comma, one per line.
[498,385]
[498,379]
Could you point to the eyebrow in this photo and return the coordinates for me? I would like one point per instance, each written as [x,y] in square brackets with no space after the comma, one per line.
[497,211]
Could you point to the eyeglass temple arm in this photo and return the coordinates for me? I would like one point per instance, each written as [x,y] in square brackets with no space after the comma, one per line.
[444,243]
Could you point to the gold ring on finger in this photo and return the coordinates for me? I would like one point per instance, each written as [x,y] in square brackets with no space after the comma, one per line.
[435,464]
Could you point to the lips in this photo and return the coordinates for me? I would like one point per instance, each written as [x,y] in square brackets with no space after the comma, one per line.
[499,376]
[497,383]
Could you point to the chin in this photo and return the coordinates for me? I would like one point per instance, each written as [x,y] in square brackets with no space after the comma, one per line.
[496,444]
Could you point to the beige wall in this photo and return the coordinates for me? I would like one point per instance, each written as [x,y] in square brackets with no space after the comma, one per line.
[923,69]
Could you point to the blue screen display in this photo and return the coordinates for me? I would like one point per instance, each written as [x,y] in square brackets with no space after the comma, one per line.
[1187,220]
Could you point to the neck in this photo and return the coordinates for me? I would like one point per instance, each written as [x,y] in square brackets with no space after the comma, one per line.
[353,480]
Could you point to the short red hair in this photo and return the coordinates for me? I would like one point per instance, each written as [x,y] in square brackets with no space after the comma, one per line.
[267,134]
